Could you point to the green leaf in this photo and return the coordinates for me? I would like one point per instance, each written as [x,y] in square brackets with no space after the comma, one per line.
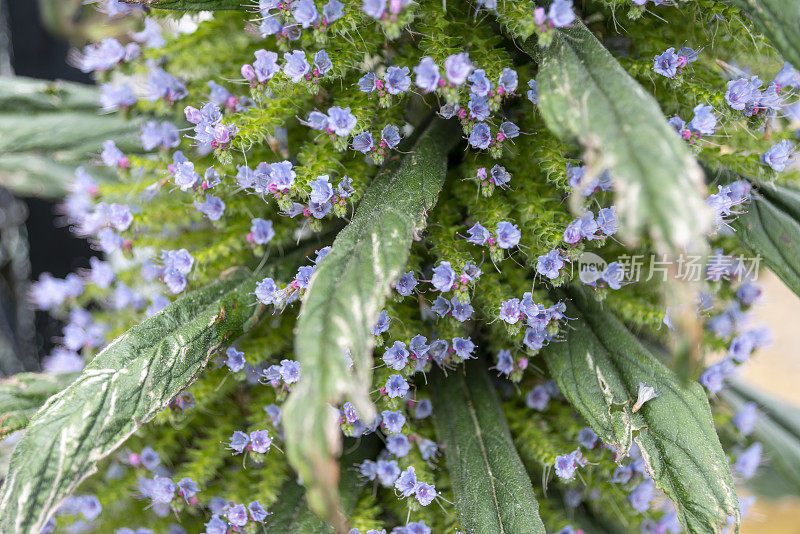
[125,386]
[193,5]
[291,514]
[771,229]
[778,20]
[49,129]
[599,367]
[585,95]
[778,429]
[23,394]
[345,295]
[493,491]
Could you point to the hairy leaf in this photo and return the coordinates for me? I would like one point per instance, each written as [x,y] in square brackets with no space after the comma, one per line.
[599,367]
[778,20]
[777,428]
[493,491]
[49,129]
[585,95]
[771,229]
[195,5]
[291,514]
[345,295]
[126,385]
[23,394]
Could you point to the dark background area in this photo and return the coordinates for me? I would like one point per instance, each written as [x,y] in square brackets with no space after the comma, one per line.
[35,52]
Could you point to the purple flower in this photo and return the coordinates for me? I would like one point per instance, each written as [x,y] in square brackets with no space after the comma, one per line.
[363,143]
[549,264]
[321,190]
[587,438]
[269,26]
[265,291]
[374,8]
[443,277]
[507,235]
[508,81]
[212,207]
[478,235]
[187,488]
[561,13]
[341,121]
[427,74]
[296,65]
[382,325]
[704,120]
[260,441]
[742,92]
[510,311]
[398,445]
[480,84]
[478,108]
[397,80]
[396,386]
[481,136]
[238,441]
[714,376]
[462,311]
[622,474]
[425,493]
[779,155]
[423,409]
[112,98]
[748,461]
[366,84]
[111,156]
[463,347]
[161,85]
[457,68]
[261,231]
[237,515]
[390,136]
[101,56]
[642,495]
[508,130]
[406,483]
[607,222]
[304,12]
[393,422]
[235,361]
[787,77]
[322,63]
[332,11]
[745,419]
[216,526]
[533,92]
[396,356]
[499,176]
[387,471]
[406,284]
[266,65]
[666,63]
[257,512]
[505,363]
[537,398]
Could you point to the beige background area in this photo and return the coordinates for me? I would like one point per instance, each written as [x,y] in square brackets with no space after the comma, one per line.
[776,369]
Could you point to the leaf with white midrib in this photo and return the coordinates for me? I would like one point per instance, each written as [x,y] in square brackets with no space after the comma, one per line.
[492,489]
[23,394]
[675,431]
[127,384]
[585,95]
[345,295]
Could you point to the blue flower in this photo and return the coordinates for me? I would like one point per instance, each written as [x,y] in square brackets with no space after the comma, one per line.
[322,62]
[235,361]
[374,8]
[481,136]
[537,398]
[341,121]
[622,474]
[406,483]
[238,441]
[443,277]
[366,84]
[507,130]
[212,207]
[406,284]
[261,231]
[332,11]
[549,264]
[396,386]
[788,76]
[508,235]
[425,493]
[457,67]
[607,222]
[508,81]
[216,526]
[462,311]
[269,26]
[714,376]
[296,66]
[666,63]
[441,306]
[566,465]
[742,92]
[382,325]
[745,419]
[265,291]
[260,442]
[396,356]
[505,363]
[257,512]
[423,408]
[704,120]
[747,462]
[510,311]
[321,190]
[390,136]
[478,108]
[387,471]
[561,13]
[397,80]
[237,515]
[779,155]
[533,92]
[304,12]
[480,84]
[290,371]
[499,176]
[478,235]
[587,438]
[427,74]
[771,99]
[463,347]
[642,495]
[393,421]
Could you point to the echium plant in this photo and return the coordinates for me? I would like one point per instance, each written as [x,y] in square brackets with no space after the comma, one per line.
[415,266]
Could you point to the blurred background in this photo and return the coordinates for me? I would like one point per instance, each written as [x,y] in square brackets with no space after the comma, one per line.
[36,40]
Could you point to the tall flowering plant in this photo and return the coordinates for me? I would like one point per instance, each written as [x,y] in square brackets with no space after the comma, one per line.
[413,266]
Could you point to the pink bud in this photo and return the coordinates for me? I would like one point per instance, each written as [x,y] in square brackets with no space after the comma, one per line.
[249,237]
[248,72]
[523,363]
[539,16]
